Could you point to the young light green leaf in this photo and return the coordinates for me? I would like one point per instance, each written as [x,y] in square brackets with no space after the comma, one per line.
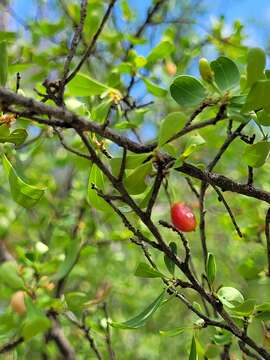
[256,61]
[24,194]
[96,178]
[187,91]
[194,143]
[135,182]
[70,260]
[258,96]
[100,112]
[154,89]
[10,277]
[17,136]
[168,262]
[255,155]
[146,271]
[3,63]
[211,268]
[172,332]
[193,351]
[35,325]
[161,51]
[170,126]
[226,73]
[140,320]
[84,85]
[230,296]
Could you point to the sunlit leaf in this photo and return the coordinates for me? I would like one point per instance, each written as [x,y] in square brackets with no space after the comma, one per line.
[24,194]
[187,90]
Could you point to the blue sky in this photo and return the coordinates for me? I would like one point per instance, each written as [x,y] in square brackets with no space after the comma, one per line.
[255,14]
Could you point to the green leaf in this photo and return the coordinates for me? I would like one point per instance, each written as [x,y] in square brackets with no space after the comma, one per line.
[230,296]
[140,320]
[70,259]
[187,91]
[84,85]
[35,325]
[194,143]
[172,332]
[76,300]
[10,277]
[193,351]
[262,311]
[146,271]
[161,51]
[24,194]
[17,136]
[211,268]
[263,117]
[255,155]
[258,96]
[168,262]
[170,126]
[132,161]
[222,338]
[256,61]
[226,73]
[96,178]
[135,182]
[100,112]
[3,63]
[154,89]
[244,309]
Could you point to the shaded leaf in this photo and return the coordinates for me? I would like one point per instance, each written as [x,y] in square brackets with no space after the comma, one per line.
[3,63]
[168,262]
[96,178]
[9,275]
[258,96]
[193,351]
[70,259]
[211,268]
[135,182]
[140,320]
[170,125]
[255,155]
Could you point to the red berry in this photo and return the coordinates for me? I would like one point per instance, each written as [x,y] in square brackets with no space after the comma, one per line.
[182,217]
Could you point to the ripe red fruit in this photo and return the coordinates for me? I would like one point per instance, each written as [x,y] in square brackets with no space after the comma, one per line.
[182,217]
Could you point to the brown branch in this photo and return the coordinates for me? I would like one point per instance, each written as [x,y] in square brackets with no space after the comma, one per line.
[74,44]
[267,236]
[108,333]
[93,42]
[221,198]
[12,344]
[87,334]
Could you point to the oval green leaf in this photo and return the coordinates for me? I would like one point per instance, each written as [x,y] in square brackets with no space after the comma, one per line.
[187,91]
[255,155]
[226,73]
